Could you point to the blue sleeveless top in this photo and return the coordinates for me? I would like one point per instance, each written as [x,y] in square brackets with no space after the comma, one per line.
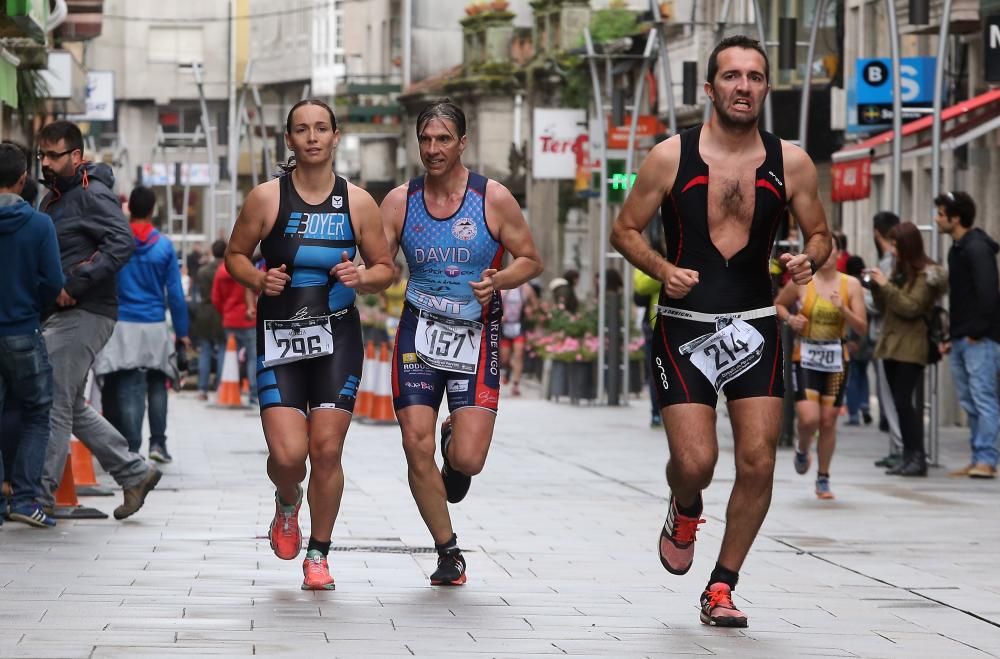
[445,254]
[309,240]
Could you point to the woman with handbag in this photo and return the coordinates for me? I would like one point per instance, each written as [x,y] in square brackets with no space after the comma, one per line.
[906,298]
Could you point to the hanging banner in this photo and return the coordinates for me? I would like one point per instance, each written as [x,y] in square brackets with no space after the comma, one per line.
[851,180]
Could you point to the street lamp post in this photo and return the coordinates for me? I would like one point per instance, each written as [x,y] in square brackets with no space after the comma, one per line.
[942,47]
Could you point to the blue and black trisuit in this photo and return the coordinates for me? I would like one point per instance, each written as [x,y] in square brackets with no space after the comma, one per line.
[315,314]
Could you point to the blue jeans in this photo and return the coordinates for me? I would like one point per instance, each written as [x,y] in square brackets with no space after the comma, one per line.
[857,392]
[125,395]
[247,339]
[974,370]
[26,375]
[206,350]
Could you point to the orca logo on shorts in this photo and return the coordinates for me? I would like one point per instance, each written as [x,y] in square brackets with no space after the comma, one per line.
[458,386]
[663,374]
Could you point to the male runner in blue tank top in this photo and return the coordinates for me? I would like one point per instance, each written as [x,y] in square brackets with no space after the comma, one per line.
[722,189]
[453,226]
[310,224]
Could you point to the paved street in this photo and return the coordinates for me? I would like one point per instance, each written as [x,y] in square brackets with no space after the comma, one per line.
[560,532]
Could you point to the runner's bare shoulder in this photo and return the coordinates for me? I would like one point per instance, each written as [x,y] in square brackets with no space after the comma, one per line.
[662,163]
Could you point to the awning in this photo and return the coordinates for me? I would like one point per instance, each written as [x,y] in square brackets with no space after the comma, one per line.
[969,119]
[979,115]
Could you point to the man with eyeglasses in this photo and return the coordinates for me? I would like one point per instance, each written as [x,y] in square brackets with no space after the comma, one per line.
[975,327]
[95,241]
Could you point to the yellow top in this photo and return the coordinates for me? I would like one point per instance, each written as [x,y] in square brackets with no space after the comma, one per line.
[643,284]
[826,322]
[394,297]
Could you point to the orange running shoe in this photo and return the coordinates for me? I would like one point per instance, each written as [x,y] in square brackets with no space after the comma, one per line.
[284,533]
[717,608]
[316,572]
[677,540]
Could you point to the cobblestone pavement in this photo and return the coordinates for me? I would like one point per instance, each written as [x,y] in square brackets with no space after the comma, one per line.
[560,533]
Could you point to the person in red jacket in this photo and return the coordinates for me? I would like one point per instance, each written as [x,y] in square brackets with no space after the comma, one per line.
[238,308]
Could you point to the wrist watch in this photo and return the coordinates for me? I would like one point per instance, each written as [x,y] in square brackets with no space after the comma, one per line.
[812,264]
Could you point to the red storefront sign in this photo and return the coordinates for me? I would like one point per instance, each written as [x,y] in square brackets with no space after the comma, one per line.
[852,180]
[647,126]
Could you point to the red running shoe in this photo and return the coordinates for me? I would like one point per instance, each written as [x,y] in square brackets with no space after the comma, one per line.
[677,540]
[284,533]
[717,608]
[316,572]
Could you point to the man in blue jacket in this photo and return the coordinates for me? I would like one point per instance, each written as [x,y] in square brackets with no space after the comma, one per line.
[33,278]
[140,356]
[94,244]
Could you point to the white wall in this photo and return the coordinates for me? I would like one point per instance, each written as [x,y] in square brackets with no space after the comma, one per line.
[145,55]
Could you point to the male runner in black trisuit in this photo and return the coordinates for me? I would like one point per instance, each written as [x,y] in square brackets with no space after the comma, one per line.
[716,330]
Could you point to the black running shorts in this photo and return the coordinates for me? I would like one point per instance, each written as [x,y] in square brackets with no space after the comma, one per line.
[743,371]
[329,382]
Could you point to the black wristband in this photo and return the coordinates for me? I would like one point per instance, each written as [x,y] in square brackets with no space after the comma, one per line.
[812,264]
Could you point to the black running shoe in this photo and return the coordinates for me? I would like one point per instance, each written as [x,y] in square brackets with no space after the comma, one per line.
[456,484]
[451,569]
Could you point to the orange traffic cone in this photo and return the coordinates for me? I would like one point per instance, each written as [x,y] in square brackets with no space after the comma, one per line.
[229,387]
[363,405]
[83,471]
[66,494]
[245,386]
[382,412]
[67,505]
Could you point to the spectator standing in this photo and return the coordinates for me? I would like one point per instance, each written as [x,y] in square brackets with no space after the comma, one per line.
[974,292]
[94,244]
[33,278]
[564,291]
[860,349]
[193,261]
[140,356]
[206,322]
[882,225]
[906,299]
[392,299]
[238,308]
[647,295]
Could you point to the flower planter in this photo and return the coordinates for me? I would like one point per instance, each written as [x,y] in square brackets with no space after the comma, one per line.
[582,383]
[558,380]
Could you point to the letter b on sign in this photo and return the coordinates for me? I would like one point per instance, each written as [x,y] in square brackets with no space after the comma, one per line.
[876,73]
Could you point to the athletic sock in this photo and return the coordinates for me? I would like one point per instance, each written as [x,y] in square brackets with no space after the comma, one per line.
[448,547]
[690,511]
[724,575]
[321,547]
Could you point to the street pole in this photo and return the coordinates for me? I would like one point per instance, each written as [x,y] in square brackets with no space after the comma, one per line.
[233,149]
[668,76]
[934,434]
[602,246]
[897,108]
[213,175]
[407,42]
[759,16]
[807,82]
